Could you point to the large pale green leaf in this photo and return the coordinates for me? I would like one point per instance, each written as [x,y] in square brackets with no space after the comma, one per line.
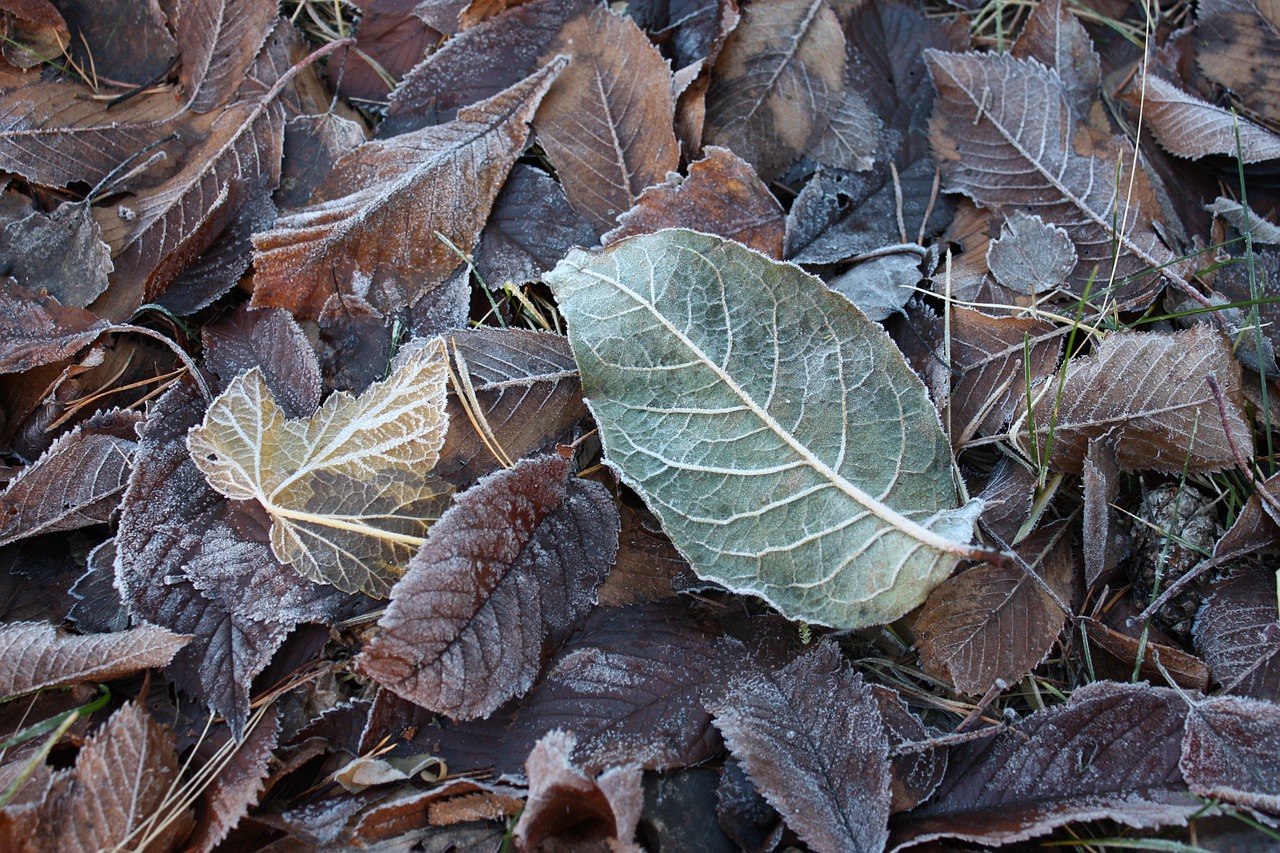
[778,434]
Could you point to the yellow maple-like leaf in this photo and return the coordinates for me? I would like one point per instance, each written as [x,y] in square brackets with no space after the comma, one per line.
[349,489]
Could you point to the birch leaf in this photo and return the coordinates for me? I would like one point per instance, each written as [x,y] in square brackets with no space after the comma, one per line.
[776,432]
[348,489]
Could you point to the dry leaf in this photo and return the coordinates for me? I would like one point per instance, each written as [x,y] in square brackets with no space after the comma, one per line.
[217,41]
[1237,45]
[1187,126]
[348,490]
[272,341]
[993,357]
[1236,633]
[1231,751]
[1055,37]
[36,329]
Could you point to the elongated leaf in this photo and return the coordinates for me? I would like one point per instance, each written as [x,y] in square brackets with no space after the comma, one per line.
[787,448]
[1234,634]
[348,489]
[1006,135]
[372,227]
[217,39]
[1187,126]
[35,656]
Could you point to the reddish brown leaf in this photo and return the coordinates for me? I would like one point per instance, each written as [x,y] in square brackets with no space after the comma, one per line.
[371,229]
[1231,751]
[217,41]
[1058,40]
[272,341]
[777,81]
[355,345]
[238,784]
[1187,126]
[606,124]
[390,35]
[915,773]
[35,329]
[722,196]
[1162,417]
[812,740]
[648,566]
[1112,752]
[500,582]
[125,41]
[1238,635]
[997,622]
[992,357]
[76,483]
[566,805]
[35,656]
[526,385]
[312,144]
[1101,487]
[1157,658]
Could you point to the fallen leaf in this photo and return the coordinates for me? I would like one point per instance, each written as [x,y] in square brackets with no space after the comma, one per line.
[915,773]
[371,228]
[123,40]
[1230,751]
[239,783]
[1160,661]
[1187,126]
[756,474]
[811,738]
[606,124]
[499,584]
[61,254]
[993,356]
[272,341]
[36,329]
[1030,255]
[1237,633]
[36,656]
[390,40]
[1055,37]
[1236,46]
[217,41]
[348,489]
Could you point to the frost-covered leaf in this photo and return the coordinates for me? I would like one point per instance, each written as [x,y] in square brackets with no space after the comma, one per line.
[1055,37]
[76,483]
[1112,752]
[811,738]
[1030,255]
[349,489]
[1161,417]
[1237,46]
[1005,134]
[1231,751]
[1236,634]
[779,436]
[239,783]
[776,83]
[880,287]
[498,585]
[990,356]
[217,40]
[998,622]
[61,254]
[1187,126]
[36,329]
[371,227]
[272,341]
[606,124]
[36,656]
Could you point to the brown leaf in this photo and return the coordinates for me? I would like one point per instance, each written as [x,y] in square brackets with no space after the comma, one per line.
[126,41]
[992,357]
[997,622]
[1058,40]
[1101,487]
[61,254]
[1030,255]
[312,144]
[1157,658]
[527,387]
[722,195]
[1005,134]
[372,227]
[1008,496]
[476,64]
[76,483]
[1112,752]
[631,685]
[812,740]
[1162,417]
[1187,126]
[120,784]
[355,345]
[1231,751]
[217,42]
[564,804]
[777,81]
[389,34]
[239,783]
[606,124]
[158,232]
[500,582]
[1238,635]
[648,566]
[35,656]
[915,773]
[1237,45]
[36,330]
[272,341]
[530,229]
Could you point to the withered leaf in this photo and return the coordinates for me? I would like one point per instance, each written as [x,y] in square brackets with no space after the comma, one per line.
[1237,45]
[476,64]
[272,341]
[1160,662]
[1005,134]
[217,41]
[238,784]
[122,778]
[36,329]
[811,738]
[1231,751]
[1187,126]
[1111,752]
[851,136]
[915,773]
[61,254]
[722,195]
[123,40]
[1058,40]
[1030,255]
[36,656]
[599,813]
[312,144]
[76,483]
[606,124]
[527,390]
[1101,487]
[197,564]
[355,344]
[993,356]
[631,685]
[529,230]
[348,489]
[390,40]
[1162,417]
[499,584]
[371,228]
[997,622]
[778,79]
[1236,633]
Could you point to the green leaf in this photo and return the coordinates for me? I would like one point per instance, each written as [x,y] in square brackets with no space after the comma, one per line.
[779,435]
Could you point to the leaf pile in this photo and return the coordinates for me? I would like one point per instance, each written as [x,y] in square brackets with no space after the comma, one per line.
[707,425]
